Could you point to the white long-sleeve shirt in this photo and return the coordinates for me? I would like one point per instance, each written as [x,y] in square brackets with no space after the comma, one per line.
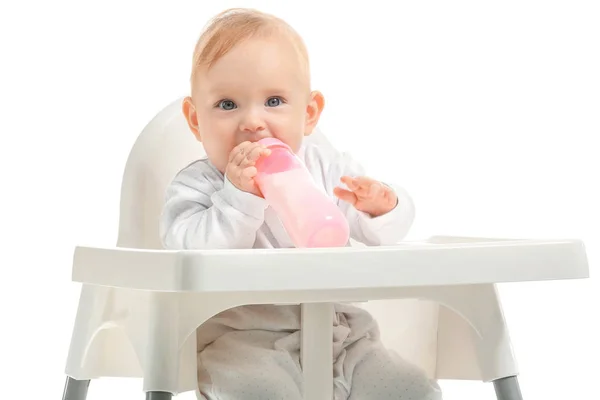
[204,210]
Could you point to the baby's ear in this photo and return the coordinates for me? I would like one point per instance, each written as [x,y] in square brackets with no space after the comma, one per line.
[189,110]
[315,106]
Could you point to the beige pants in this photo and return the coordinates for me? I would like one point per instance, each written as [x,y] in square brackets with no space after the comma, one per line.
[261,361]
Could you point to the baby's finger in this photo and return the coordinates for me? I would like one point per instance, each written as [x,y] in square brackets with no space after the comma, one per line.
[375,190]
[359,186]
[243,154]
[345,195]
[252,154]
[247,179]
[349,182]
[364,181]
[257,152]
[248,173]
[237,150]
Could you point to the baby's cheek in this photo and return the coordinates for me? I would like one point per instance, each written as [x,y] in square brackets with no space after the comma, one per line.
[295,143]
[218,155]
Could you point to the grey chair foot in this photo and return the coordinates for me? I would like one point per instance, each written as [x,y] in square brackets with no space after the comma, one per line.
[75,390]
[508,389]
[159,396]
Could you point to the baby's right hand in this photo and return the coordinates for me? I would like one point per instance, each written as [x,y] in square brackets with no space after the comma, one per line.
[241,170]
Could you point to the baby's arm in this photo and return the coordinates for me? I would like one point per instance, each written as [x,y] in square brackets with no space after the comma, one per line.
[203,212]
[386,229]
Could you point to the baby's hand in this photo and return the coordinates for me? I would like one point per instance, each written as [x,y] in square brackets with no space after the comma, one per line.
[367,195]
[241,170]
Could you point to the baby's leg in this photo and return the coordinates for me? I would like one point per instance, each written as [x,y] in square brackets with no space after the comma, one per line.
[381,375]
[251,365]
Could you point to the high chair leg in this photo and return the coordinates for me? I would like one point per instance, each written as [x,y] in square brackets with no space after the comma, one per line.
[158,396]
[508,388]
[75,390]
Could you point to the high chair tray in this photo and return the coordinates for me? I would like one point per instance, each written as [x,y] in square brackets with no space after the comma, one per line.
[438,261]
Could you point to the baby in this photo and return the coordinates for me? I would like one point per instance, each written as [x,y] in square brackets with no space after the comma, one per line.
[250,80]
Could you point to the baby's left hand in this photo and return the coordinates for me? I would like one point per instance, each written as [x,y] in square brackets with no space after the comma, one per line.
[367,195]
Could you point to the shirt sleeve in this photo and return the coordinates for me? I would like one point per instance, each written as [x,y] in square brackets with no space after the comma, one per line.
[387,229]
[201,212]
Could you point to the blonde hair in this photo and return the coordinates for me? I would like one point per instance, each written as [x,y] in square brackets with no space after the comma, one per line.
[233,26]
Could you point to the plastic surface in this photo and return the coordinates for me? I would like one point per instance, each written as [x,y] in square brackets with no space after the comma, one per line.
[317,352]
[309,216]
[356,272]
[140,305]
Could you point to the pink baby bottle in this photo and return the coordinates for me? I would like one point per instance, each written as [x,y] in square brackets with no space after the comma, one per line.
[309,216]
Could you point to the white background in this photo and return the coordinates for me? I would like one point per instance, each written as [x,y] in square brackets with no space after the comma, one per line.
[487,112]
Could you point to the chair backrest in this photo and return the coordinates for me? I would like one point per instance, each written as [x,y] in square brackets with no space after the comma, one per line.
[164,147]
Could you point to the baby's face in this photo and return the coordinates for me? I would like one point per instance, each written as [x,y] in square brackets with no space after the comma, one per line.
[257,90]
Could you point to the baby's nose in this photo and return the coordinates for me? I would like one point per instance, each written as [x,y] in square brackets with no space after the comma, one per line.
[253,123]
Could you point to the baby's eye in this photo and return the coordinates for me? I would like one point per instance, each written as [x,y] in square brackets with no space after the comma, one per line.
[226,105]
[273,101]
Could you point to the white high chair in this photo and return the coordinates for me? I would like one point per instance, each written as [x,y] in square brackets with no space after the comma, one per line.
[140,305]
